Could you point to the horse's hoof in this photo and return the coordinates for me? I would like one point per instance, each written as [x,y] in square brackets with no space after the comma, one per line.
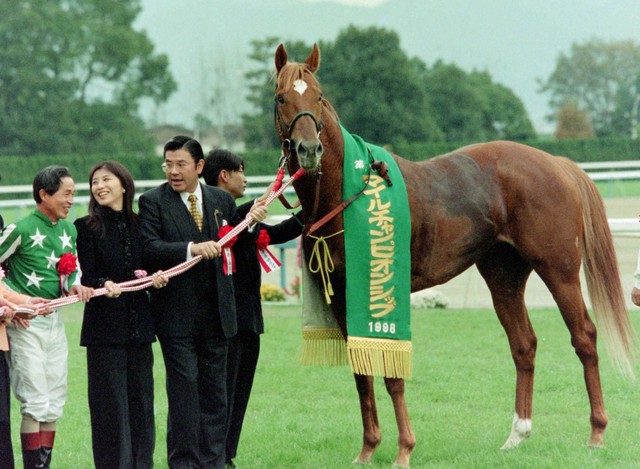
[520,431]
[511,443]
[514,440]
[402,466]
[595,443]
[361,462]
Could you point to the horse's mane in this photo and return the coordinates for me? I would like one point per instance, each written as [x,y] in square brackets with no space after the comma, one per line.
[293,71]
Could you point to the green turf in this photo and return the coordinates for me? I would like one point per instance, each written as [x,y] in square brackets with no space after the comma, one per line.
[460,400]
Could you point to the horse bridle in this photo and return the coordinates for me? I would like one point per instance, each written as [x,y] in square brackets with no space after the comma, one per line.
[286,139]
[312,225]
[289,148]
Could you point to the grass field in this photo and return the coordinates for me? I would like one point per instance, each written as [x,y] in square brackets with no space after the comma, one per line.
[460,401]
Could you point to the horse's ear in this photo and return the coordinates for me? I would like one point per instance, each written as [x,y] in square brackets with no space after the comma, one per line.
[313,61]
[281,57]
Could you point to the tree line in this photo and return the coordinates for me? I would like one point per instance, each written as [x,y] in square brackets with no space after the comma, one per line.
[73,73]
[387,97]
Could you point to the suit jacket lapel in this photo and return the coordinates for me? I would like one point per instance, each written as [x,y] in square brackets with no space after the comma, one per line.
[184,223]
[212,213]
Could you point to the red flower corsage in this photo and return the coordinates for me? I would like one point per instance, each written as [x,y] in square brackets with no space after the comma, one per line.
[66,266]
[263,239]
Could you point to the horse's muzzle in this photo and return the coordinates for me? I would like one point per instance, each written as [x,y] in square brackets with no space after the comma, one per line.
[309,153]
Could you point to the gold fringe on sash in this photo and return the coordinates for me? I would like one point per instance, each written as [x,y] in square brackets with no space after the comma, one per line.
[380,357]
[323,346]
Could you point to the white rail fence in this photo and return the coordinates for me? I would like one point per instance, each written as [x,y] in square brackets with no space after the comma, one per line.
[610,171]
[466,290]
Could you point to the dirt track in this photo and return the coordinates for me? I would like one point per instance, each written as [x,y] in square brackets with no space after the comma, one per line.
[468,290]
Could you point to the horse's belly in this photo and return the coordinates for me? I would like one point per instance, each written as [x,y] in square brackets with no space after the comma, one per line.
[454,248]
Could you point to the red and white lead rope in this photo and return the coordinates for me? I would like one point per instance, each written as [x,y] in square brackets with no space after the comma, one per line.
[145,282]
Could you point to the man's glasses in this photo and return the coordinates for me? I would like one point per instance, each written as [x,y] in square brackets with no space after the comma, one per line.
[168,167]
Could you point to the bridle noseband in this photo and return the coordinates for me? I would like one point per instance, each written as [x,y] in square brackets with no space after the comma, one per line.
[286,138]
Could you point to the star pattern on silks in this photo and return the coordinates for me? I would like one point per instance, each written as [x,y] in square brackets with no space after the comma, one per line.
[38,238]
[52,260]
[66,240]
[33,279]
[38,245]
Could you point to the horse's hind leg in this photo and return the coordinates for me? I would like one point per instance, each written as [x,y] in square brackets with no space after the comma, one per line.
[506,274]
[406,438]
[371,435]
[567,294]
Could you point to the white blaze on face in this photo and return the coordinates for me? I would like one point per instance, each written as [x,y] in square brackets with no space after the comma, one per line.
[300,86]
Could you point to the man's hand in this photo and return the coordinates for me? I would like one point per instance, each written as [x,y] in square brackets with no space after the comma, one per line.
[19,319]
[159,279]
[635,296]
[208,249]
[258,212]
[9,311]
[20,323]
[42,305]
[84,293]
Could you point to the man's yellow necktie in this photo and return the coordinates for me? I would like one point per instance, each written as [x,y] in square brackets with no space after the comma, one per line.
[193,210]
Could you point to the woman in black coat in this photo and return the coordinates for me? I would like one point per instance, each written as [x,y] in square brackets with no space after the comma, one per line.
[117,330]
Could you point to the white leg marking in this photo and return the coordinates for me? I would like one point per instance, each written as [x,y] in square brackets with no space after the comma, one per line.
[520,431]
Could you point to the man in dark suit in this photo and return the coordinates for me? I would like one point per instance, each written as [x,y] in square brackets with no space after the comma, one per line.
[195,314]
[225,170]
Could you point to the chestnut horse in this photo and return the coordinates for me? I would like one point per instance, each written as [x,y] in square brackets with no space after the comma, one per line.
[508,208]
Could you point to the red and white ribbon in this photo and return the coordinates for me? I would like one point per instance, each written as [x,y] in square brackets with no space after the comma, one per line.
[267,260]
[228,260]
[145,282]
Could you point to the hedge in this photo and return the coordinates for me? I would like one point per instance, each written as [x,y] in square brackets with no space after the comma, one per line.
[20,170]
[581,151]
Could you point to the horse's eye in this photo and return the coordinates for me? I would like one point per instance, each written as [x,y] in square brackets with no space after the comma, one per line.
[321,97]
[280,98]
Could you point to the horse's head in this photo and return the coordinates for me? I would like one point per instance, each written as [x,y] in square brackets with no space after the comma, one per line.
[298,107]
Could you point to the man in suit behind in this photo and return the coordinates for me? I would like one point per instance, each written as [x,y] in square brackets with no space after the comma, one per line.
[225,170]
[195,314]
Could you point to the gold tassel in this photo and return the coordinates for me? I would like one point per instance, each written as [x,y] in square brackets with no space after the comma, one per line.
[321,261]
[380,357]
[323,347]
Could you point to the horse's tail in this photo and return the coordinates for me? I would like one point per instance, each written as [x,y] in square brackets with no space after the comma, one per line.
[602,275]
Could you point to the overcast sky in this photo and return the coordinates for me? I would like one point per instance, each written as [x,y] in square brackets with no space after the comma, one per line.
[516,41]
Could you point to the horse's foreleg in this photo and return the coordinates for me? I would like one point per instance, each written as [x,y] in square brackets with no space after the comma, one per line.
[371,435]
[406,438]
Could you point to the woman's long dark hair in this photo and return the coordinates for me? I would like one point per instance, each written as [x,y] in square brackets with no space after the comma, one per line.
[96,211]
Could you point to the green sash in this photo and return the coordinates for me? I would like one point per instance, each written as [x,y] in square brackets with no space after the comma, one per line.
[377,233]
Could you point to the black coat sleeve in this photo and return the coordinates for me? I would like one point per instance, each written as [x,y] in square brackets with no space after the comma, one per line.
[286,230]
[86,255]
